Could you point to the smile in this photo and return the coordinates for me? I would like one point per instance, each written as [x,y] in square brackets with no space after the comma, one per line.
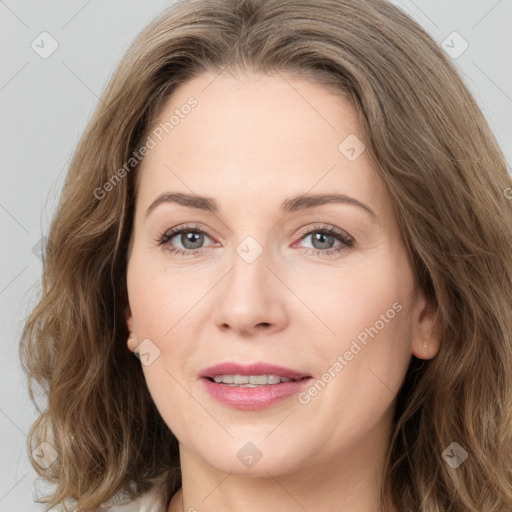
[250,380]
[252,386]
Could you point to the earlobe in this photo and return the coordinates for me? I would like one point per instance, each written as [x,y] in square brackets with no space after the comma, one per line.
[427,329]
[132,342]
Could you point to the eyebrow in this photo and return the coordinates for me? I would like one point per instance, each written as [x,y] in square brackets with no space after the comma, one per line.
[290,205]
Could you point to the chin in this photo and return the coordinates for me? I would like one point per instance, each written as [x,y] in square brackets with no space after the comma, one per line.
[253,456]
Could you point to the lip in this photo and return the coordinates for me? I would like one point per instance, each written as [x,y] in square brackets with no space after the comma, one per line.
[253,398]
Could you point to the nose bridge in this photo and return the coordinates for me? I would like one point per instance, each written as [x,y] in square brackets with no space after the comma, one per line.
[249,273]
[250,296]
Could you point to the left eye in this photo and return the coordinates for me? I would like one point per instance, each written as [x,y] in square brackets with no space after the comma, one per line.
[322,240]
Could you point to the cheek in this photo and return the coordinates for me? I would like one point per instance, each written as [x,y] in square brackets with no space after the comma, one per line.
[372,339]
[161,297]
[364,298]
[164,305]
[359,375]
[368,345]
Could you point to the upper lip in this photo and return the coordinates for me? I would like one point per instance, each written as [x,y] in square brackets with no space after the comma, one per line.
[233,368]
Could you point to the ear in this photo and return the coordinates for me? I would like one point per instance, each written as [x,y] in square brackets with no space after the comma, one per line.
[426,328]
[132,340]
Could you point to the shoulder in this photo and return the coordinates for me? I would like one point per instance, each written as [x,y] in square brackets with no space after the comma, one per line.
[151,501]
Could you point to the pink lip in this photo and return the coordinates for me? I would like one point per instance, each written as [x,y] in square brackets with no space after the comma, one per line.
[258,397]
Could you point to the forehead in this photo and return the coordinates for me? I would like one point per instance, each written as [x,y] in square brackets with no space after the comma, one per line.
[248,110]
[259,135]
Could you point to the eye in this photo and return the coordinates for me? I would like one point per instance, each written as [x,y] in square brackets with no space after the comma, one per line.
[191,239]
[324,238]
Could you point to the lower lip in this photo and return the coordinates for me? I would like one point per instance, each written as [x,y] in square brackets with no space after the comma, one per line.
[255,398]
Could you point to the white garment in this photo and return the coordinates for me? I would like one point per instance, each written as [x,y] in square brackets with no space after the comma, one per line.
[151,501]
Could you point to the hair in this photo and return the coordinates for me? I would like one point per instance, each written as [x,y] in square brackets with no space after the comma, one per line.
[447,179]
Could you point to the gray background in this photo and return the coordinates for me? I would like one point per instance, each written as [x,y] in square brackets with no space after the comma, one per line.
[46,103]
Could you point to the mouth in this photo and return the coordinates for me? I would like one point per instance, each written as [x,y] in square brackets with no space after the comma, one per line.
[253,386]
[256,374]
[250,381]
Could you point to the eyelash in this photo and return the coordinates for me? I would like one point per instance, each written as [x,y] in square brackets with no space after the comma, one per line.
[164,238]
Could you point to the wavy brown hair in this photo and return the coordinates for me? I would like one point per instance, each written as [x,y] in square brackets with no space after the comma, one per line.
[447,179]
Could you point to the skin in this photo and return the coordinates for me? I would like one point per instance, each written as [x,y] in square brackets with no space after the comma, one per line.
[252,142]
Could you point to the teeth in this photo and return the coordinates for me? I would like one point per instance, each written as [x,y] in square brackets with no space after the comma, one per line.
[240,379]
[250,381]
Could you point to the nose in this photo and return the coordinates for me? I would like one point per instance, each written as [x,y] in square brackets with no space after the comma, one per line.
[251,299]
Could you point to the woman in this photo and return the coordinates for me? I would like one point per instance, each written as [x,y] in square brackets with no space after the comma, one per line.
[295,216]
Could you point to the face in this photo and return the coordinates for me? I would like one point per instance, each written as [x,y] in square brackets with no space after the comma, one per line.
[238,266]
